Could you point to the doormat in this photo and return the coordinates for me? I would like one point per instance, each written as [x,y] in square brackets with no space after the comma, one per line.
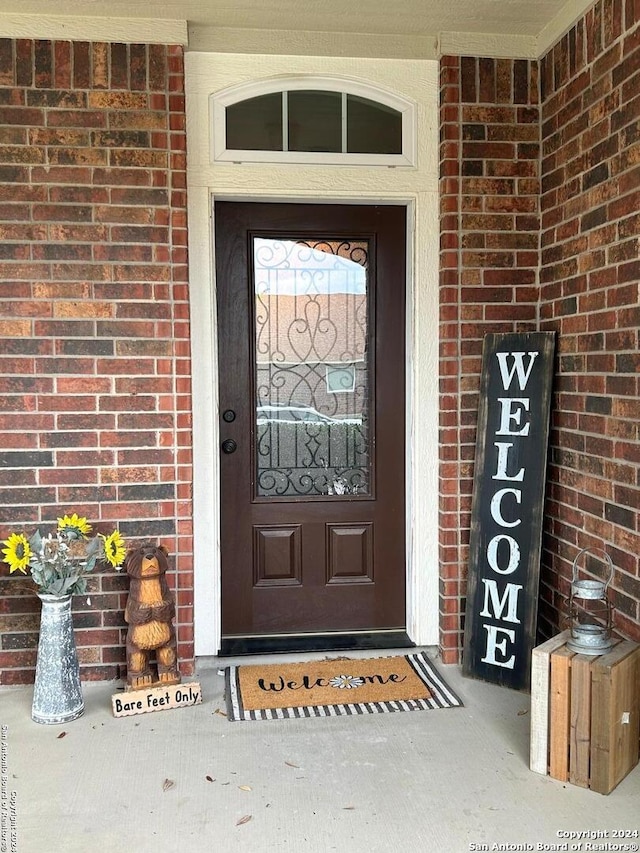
[332,688]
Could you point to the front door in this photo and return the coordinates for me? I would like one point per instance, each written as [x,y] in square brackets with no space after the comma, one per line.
[311,319]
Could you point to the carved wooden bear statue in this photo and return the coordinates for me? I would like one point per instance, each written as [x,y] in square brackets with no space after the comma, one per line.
[149,614]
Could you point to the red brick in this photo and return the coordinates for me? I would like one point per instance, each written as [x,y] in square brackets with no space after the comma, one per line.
[608,109]
[24,62]
[21,116]
[488,150]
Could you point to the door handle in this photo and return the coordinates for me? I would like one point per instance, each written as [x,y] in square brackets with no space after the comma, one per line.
[229,446]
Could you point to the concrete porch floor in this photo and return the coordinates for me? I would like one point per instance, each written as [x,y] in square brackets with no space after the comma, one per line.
[445,781]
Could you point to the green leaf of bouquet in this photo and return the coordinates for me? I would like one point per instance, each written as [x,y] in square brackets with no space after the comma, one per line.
[56,587]
[94,546]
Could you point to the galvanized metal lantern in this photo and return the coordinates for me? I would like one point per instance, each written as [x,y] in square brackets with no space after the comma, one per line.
[590,609]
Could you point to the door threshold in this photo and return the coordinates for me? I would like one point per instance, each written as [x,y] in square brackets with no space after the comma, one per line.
[333,642]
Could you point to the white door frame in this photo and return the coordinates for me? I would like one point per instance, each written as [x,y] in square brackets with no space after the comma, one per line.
[415,188]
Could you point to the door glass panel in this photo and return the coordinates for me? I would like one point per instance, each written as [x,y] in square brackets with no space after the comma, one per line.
[311,367]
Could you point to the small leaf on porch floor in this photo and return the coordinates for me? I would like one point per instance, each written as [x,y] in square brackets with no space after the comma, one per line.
[168,783]
[245,819]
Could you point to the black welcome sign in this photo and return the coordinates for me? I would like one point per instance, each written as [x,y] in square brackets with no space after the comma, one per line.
[506,512]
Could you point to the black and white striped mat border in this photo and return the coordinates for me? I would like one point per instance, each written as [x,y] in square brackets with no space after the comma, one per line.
[442,696]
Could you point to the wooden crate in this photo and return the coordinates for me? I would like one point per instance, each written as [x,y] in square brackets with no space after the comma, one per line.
[585,713]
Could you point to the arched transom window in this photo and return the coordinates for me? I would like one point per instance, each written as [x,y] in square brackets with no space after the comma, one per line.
[313,120]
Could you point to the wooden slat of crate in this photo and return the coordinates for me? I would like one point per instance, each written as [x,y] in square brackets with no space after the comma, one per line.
[559,707]
[540,683]
[615,679]
[606,687]
[580,719]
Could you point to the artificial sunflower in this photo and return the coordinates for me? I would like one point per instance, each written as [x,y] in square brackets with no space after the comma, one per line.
[75,526]
[114,549]
[60,561]
[17,553]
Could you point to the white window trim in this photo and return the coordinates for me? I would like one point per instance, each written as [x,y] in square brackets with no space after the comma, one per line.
[219,102]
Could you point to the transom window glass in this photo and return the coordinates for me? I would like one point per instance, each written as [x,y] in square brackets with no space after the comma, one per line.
[256,124]
[314,121]
[304,123]
[372,127]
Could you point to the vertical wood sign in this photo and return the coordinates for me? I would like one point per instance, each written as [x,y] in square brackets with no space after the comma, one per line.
[507,504]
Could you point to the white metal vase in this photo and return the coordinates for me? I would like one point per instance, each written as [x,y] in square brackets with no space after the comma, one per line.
[57,694]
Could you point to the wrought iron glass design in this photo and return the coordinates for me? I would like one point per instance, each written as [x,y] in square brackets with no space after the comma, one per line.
[311,318]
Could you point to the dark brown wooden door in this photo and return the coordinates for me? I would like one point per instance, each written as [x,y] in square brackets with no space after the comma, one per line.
[311,318]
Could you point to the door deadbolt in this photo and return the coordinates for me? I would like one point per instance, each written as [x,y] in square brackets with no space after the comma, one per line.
[229,446]
[228,416]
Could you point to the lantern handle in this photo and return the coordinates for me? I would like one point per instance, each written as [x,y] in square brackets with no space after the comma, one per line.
[592,551]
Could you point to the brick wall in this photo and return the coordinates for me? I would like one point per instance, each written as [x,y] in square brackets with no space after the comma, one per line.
[590,84]
[566,169]
[94,412]
[95,375]
[489,196]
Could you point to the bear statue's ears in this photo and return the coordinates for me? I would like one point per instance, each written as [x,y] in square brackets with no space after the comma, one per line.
[143,549]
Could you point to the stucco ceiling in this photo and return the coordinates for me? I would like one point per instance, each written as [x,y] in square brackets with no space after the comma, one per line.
[399,21]
[396,17]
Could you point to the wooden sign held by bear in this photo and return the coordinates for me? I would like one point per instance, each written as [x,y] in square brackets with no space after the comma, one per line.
[149,613]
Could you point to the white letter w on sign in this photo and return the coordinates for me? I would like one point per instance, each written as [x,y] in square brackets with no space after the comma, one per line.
[516,367]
